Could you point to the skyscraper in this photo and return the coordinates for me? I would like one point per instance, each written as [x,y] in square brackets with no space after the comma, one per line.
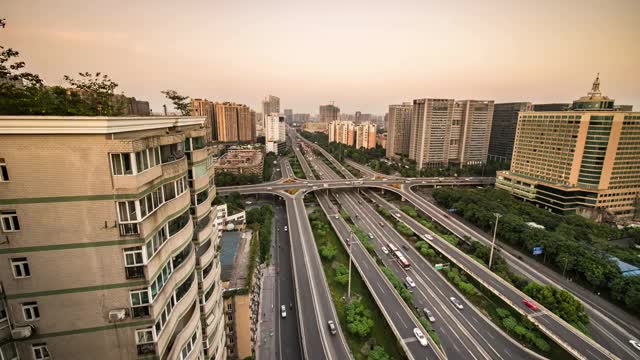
[272,127]
[503,129]
[328,113]
[301,118]
[582,160]
[113,246]
[341,132]
[204,107]
[271,105]
[288,115]
[445,131]
[234,122]
[399,129]
[365,135]
[259,120]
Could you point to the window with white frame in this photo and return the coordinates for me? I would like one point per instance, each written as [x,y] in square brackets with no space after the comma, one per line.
[4,173]
[158,283]
[189,346]
[121,164]
[30,311]
[157,240]
[134,262]
[144,336]
[165,314]
[131,211]
[10,221]
[127,211]
[40,351]
[20,267]
[145,160]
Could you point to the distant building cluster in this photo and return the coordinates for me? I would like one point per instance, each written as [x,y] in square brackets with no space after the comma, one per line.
[346,132]
[226,121]
[241,161]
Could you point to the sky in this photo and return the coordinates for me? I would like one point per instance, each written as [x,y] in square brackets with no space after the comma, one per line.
[362,54]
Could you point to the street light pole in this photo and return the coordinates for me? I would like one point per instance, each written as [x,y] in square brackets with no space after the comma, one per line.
[493,243]
[349,286]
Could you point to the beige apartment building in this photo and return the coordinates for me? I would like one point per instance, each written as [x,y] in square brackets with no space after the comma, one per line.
[585,160]
[342,131]
[204,107]
[365,135]
[234,123]
[108,239]
[271,105]
[399,129]
[312,126]
[445,131]
[328,113]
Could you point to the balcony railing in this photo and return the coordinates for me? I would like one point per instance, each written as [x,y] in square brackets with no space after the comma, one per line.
[134,272]
[129,229]
[146,349]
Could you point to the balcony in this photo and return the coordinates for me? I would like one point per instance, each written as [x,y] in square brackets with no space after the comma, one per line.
[166,211]
[184,309]
[203,229]
[173,243]
[205,256]
[137,181]
[179,275]
[186,326]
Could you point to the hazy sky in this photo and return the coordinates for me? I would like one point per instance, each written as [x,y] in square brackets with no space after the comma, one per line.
[364,55]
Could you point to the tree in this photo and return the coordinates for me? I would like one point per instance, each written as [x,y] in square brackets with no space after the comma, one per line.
[328,251]
[358,318]
[342,274]
[378,353]
[180,102]
[98,92]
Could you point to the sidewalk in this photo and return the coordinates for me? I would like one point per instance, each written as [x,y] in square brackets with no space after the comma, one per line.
[265,339]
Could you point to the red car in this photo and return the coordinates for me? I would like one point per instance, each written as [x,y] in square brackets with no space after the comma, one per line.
[530,304]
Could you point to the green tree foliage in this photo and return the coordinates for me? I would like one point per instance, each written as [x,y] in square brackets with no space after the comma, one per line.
[378,353]
[627,291]
[358,317]
[229,179]
[560,302]
[262,218]
[409,211]
[98,92]
[328,251]
[404,293]
[267,169]
[404,229]
[180,102]
[342,274]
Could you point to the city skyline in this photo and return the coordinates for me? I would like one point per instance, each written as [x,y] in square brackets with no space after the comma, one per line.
[159,50]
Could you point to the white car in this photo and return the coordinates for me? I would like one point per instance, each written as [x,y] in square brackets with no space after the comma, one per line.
[286,228]
[269,188]
[456,303]
[420,336]
[385,251]
[410,282]
[397,214]
[283,311]
[429,315]
[429,237]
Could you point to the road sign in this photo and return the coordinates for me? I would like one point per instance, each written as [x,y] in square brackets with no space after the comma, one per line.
[438,266]
[452,210]
[537,250]
[442,266]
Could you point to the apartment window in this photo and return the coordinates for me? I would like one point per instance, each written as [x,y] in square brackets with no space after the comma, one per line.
[4,173]
[189,346]
[10,221]
[20,267]
[40,351]
[3,313]
[121,164]
[133,262]
[30,311]
[139,302]
[142,160]
[156,242]
[145,341]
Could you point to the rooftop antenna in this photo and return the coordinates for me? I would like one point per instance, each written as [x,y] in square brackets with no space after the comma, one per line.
[595,88]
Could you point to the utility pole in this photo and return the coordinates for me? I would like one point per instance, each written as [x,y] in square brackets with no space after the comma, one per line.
[349,286]
[493,243]
[566,262]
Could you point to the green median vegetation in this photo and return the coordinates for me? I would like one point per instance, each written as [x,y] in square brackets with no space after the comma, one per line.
[296,167]
[267,168]
[367,333]
[260,219]
[404,293]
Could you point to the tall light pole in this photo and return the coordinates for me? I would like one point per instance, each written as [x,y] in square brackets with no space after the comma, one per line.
[349,286]
[493,243]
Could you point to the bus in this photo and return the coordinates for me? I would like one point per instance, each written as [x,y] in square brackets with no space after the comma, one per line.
[392,247]
[404,263]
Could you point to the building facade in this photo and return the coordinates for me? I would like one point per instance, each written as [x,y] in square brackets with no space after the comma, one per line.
[301,118]
[259,120]
[288,116]
[471,130]
[204,107]
[365,135]
[241,161]
[503,129]
[234,123]
[399,129]
[312,126]
[271,105]
[328,113]
[585,161]
[342,132]
[121,237]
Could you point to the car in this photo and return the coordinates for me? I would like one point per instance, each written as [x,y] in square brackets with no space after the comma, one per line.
[347,182]
[405,247]
[468,179]
[248,202]
[283,311]
[381,223]
[337,216]
[428,315]
[397,214]
[420,336]
[410,282]
[370,236]
[332,327]
[408,286]
[428,237]
[286,228]
[456,303]
[530,304]
[315,187]
[269,188]
[384,250]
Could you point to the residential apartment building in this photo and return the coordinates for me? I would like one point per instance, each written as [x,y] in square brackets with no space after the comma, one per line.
[259,121]
[342,132]
[503,129]
[399,129]
[288,116]
[272,127]
[365,135]
[109,239]
[381,140]
[271,105]
[445,131]
[301,118]
[328,113]
[312,126]
[204,107]
[584,160]
[234,122]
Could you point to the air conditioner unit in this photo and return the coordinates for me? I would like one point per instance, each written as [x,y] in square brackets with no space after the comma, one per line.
[117,315]
[21,332]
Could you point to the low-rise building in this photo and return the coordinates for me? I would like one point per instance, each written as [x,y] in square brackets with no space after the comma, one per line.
[311,126]
[241,161]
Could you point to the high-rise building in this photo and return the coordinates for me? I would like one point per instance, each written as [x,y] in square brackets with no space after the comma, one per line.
[271,105]
[399,129]
[445,131]
[259,120]
[503,129]
[583,160]
[300,118]
[288,116]
[342,132]
[117,230]
[204,107]
[366,135]
[234,122]
[551,107]
[328,113]
[272,127]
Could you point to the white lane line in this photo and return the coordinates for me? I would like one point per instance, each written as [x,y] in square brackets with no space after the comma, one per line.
[402,321]
[409,340]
